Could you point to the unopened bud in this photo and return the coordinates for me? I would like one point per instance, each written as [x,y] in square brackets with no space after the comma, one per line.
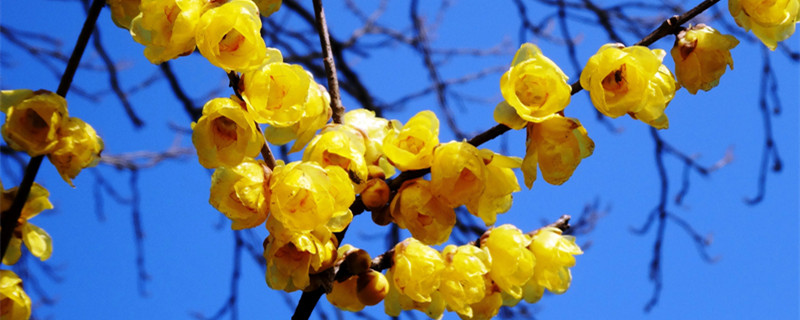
[376,194]
[372,287]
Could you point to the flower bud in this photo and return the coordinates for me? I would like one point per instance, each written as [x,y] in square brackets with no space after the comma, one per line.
[357,261]
[375,194]
[372,287]
[381,216]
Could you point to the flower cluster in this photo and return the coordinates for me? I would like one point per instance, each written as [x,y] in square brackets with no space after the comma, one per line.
[227,32]
[505,267]
[37,122]
[304,204]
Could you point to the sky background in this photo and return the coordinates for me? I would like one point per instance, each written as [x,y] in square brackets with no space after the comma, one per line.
[188,246]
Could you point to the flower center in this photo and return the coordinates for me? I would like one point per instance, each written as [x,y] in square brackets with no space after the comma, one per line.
[530,93]
[615,82]
[224,130]
[230,41]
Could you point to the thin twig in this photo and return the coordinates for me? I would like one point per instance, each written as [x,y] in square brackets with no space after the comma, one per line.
[330,66]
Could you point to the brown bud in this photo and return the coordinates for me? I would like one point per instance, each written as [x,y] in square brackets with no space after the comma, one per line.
[375,194]
[382,216]
[357,261]
[372,287]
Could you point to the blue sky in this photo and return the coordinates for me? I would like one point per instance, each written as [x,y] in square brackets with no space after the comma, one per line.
[188,247]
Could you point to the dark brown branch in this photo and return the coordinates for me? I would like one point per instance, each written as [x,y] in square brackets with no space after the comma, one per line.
[8,221]
[330,66]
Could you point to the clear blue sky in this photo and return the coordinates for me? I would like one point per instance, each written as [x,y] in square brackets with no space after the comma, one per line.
[188,247]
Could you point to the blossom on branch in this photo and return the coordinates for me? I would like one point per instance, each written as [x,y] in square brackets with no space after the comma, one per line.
[701,54]
[225,134]
[33,119]
[166,28]
[630,81]
[242,192]
[35,239]
[534,85]
[770,21]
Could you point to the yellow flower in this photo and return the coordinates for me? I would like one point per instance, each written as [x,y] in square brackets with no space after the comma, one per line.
[316,115]
[375,129]
[16,303]
[500,183]
[771,21]
[700,54]
[267,7]
[411,147]
[78,147]
[225,134]
[37,240]
[166,28]
[277,93]
[32,120]
[534,85]
[488,307]
[292,256]
[241,193]
[306,196]
[123,11]
[417,270]
[415,208]
[554,256]
[512,262]
[630,80]
[463,277]
[395,301]
[342,146]
[458,173]
[557,146]
[229,36]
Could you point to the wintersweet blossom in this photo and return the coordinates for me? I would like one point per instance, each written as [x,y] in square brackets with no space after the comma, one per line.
[508,247]
[78,147]
[166,28]
[123,11]
[463,277]
[458,173]
[225,134]
[701,54]
[305,196]
[242,193]
[411,147]
[35,239]
[554,256]
[16,303]
[770,21]
[534,85]
[427,218]
[32,120]
[317,112]
[292,256]
[342,146]
[630,80]
[277,93]
[500,183]
[557,146]
[229,36]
